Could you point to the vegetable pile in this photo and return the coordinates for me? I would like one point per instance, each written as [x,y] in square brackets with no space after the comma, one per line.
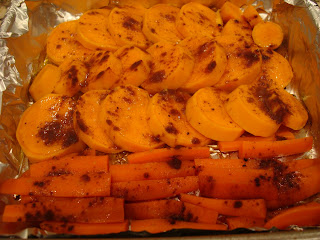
[161,84]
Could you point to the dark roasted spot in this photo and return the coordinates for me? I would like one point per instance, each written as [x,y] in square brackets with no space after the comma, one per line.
[175,163]
[58,46]
[100,74]
[85,178]
[131,24]
[157,76]
[195,140]
[80,122]
[174,112]
[237,204]
[146,175]
[210,67]
[127,100]
[115,128]
[135,65]
[170,17]
[72,74]
[109,122]
[171,129]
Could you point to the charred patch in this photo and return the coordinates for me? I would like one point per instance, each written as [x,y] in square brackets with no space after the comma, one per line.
[70,137]
[171,129]
[80,122]
[158,76]
[127,100]
[195,140]
[237,204]
[58,172]
[100,74]
[109,122]
[174,112]
[175,163]
[205,49]
[170,18]
[146,175]
[131,24]
[210,67]
[72,75]
[155,139]
[135,65]
[250,57]
[85,178]
[50,132]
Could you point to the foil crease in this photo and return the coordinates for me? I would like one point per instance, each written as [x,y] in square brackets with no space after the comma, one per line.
[22,52]
[15,22]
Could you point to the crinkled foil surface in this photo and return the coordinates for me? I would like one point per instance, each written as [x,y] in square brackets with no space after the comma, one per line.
[23,35]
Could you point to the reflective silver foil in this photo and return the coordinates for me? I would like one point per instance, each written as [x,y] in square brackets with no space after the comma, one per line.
[23,35]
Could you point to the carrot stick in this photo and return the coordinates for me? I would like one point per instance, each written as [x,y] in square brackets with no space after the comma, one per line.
[233,146]
[204,165]
[81,210]
[70,165]
[85,228]
[248,208]
[276,187]
[166,154]
[153,209]
[152,171]
[86,185]
[154,189]
[296,186]
[244,222]
[199,214]
[163,225]
[265,149]
[303,215]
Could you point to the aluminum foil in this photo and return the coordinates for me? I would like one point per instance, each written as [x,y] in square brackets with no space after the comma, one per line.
[23,35]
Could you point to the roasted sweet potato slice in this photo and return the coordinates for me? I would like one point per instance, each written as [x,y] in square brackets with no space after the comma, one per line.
[125,26]
[257,109]
[267,35]
[46,129]
[92,30]
[230,11]
[104,70]
[43,84]
[252,16]
[62,43]
[124,117]
[167,120]
[87,123]
[195,19]
[73,76]
[159,23]
[210,62]
[172,66]
[206,113]
[244,57]
[135,64]
[276,68]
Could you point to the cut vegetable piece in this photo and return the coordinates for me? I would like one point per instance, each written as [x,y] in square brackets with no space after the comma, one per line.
[258,109]
[232,146]
[210,62]
[267,149]
[199,214]
[46,129]
[230,11]
[267,35]
[153,209]
[304,215]
[195,19]
[80,210]
[152,171]
[135,64]
[276,68]
[165,154]
[92,30]
[105,70]
[244,58]
[62,44]
[85,228]
[73,76]
[246,207]
[296,116]
[172,66]
[86,185]
[163,225]
[206,113]
[159,23]
[167,120]
[278,188]
[124,117]
[252,16]
[244,222]
[87,122]
[77,165]
[43,84]
[125,26]
[154,189]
